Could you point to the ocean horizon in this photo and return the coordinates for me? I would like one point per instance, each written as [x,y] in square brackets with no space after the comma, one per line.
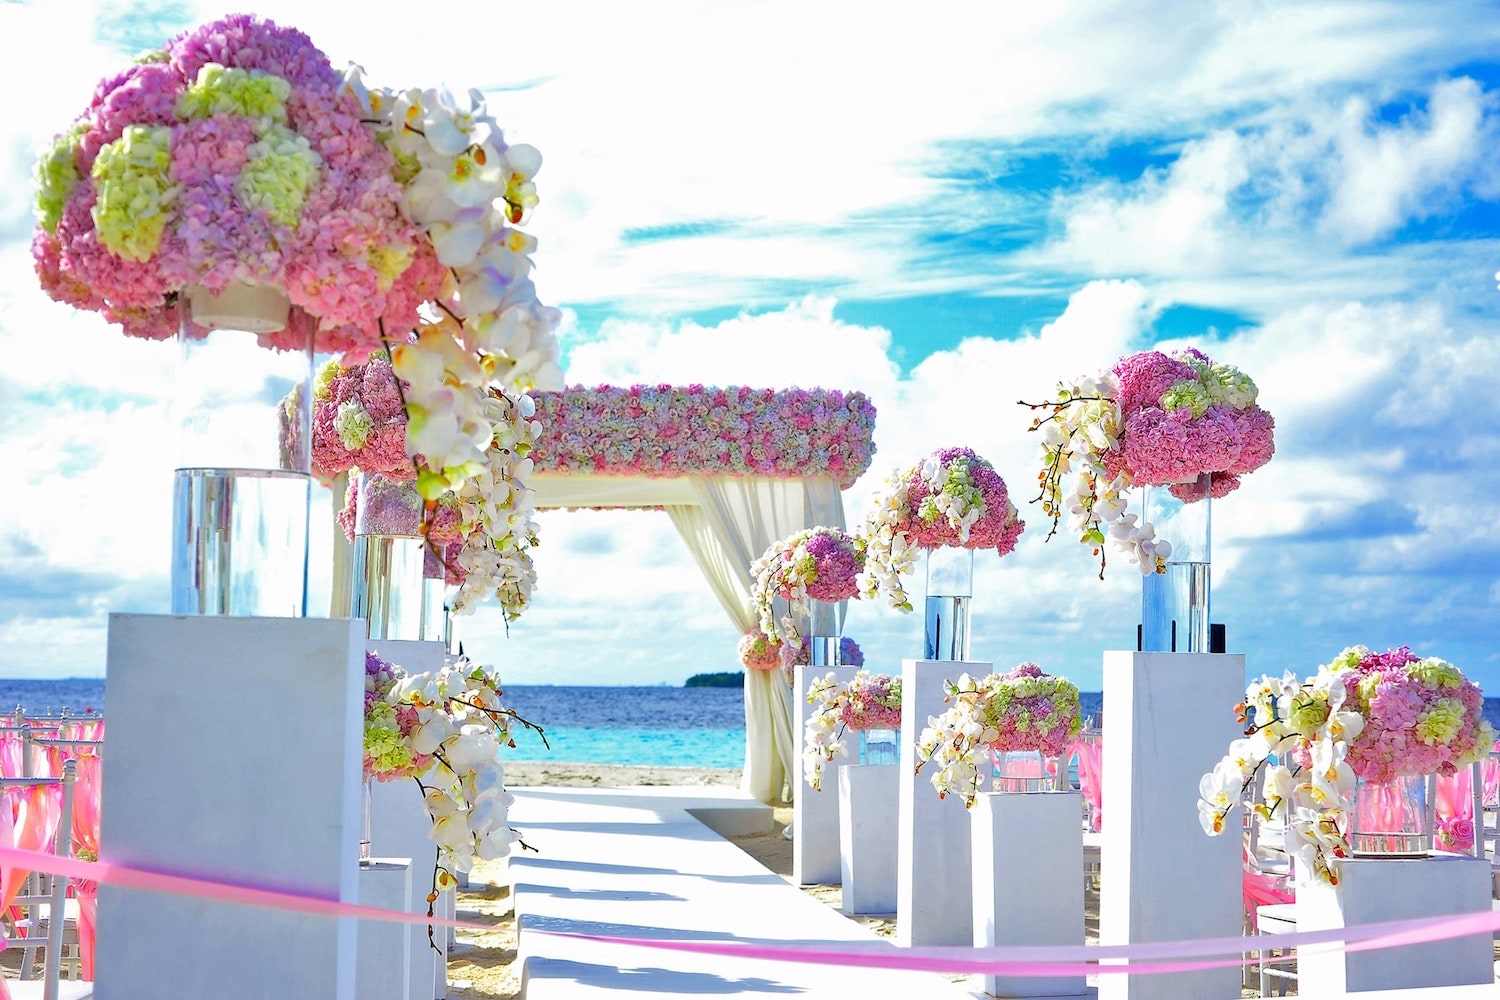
[657,725]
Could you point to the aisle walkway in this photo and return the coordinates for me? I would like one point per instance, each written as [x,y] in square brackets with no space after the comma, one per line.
[634,863]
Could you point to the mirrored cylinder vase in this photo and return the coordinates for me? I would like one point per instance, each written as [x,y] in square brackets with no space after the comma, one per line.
[824,643]
[388,583]
[243,477]
[950,591]
[1174,604]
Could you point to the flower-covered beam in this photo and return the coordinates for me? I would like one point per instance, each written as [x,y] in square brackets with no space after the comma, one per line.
[664,432]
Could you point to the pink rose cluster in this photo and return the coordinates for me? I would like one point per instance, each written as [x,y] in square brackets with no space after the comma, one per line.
[1159,446]
[1421,716]
[758,651]
[663,430]
[873,701]
[998,526]
[1033,710]
[351,259]
[373,388]
[381,505]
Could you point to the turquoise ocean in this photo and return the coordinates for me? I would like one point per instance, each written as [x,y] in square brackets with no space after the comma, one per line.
[646,726]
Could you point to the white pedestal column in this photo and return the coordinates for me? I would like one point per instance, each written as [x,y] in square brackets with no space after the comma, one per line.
[384,948]
[867,836]
[1028,882]
[234,754]
[933,877]
[1374,890]
[1169,719]
[815,815]
[399,827]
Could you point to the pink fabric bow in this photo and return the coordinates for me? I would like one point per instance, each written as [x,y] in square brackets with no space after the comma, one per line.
[1091,777]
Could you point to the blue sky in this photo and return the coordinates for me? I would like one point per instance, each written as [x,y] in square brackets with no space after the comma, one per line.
[950,216]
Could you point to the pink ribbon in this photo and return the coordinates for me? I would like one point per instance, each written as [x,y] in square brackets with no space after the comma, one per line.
[1139,958]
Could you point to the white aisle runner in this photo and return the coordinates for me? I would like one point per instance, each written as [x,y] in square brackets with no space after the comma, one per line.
[634,863]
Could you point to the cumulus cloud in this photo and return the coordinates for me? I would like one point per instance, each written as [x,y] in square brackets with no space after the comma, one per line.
[1381,177]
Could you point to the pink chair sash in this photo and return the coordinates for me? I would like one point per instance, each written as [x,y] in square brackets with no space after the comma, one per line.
[86,790]
[1453,803]
[1090,755]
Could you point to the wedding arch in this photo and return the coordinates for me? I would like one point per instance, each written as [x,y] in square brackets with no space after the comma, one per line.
[735,469]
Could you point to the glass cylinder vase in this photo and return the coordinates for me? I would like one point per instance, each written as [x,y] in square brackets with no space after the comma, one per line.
[434,598]
[1390,819]
[243,479]
[878,746]
[1025,771]
[364,829]
[387,579]
[1174,604]
[950,589]
[824,643]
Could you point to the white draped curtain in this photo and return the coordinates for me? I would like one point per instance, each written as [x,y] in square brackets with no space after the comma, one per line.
[729,527]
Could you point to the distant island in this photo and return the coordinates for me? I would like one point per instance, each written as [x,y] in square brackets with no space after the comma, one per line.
[729,679]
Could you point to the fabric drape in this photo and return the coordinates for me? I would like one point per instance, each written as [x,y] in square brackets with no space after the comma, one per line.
[732,524]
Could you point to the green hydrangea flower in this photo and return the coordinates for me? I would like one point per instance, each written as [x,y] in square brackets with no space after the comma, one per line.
[223,90]
[1438,673]
[1440,723]
[136,192]
[57,176]
[1187,395]
[1228,385]
[281,170]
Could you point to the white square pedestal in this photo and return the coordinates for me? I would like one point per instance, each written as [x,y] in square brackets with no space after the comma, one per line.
[867,836]
[815,815]
[234,754]
[934,883]
[1379,889]
[1028,882]
[399,827]
[1170,719]
[384,948]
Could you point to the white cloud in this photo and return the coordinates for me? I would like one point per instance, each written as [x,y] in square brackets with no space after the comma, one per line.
[1170,221]
[1383,177]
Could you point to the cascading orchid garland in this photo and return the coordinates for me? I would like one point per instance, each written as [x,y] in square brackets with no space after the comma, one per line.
[951,498]
[1371,716]
[444,729]
[868,701]
[1024,709]
[357,418]
[821,564]
[1151,420]
[237,155]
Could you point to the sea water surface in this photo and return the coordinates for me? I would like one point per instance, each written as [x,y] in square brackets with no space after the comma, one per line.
[644,726]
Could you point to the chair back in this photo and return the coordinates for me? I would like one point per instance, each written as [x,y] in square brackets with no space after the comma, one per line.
[27,821]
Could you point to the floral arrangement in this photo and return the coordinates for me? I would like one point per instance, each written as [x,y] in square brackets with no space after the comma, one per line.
[444,729]
[1372,716]
[868,701]
[1151,420]
[663,430]
[850,655]
[759,651]
[238,156]
[821,564]
[951,498]
[359,423]
[1025,709]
